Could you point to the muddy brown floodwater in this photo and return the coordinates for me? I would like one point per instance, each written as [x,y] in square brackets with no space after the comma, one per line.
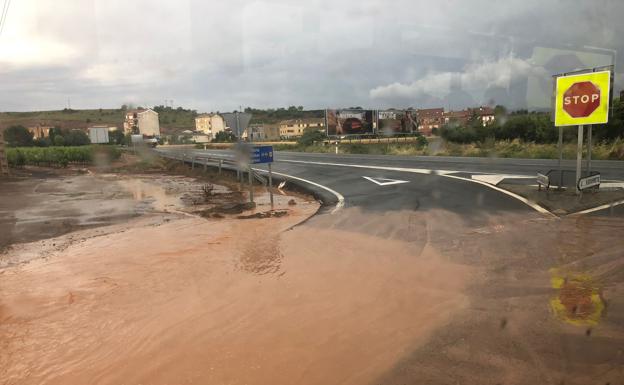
[188,300]
[166,293]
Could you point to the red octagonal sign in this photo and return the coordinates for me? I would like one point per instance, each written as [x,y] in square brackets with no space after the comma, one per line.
[581,99]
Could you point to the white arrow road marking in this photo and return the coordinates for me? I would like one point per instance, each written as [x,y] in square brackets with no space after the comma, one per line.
[385,181]
[497,178]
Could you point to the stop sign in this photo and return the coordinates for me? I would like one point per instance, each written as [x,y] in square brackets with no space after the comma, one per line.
[581,99]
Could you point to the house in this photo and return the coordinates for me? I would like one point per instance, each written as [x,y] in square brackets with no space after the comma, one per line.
[102,126]
[98,134]
[484,114]
[294,127]
[39,131]
[144,122]
[200,137]
[263,131]
[429,119]
[209,124]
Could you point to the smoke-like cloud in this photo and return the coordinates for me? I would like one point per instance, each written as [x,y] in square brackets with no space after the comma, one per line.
[475,77]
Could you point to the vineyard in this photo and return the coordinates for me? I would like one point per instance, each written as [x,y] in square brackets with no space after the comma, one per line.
[59,156]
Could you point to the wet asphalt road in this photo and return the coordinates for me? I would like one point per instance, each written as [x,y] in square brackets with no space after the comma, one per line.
[432,182]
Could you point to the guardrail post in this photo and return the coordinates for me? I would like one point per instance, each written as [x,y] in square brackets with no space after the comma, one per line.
[205,165]
[193,163]
[220,164]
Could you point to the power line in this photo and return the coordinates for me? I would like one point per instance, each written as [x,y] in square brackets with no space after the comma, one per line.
[5,12]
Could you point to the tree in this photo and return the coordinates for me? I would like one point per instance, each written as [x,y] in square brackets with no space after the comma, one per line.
[224,137]
[76,138]
[116,137]
[18,136]
[615,128]
[42,142]
[59,140]
[310,136]
[500,110]
[54,131]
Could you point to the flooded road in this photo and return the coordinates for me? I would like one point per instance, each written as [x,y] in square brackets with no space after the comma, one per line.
[355,297]
[192,301]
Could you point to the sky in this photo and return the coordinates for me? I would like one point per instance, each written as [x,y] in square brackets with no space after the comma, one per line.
[219,55]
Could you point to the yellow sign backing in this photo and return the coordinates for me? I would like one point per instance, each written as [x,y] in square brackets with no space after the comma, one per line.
[582,99]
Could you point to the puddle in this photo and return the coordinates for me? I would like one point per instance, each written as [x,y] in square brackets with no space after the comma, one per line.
[153,194]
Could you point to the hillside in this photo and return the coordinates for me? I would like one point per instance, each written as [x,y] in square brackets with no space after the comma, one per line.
[272,116]
[63,118]
[171,119]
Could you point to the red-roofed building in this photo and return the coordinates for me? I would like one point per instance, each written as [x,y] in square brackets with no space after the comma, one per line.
[485,114]
[428,119]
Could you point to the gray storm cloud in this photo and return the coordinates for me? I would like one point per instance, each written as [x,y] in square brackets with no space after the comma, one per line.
[476,76]
[216,55]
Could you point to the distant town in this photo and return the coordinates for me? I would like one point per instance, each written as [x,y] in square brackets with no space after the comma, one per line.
[161,123]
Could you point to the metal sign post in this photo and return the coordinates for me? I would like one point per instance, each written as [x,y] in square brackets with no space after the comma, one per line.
[560,146]
[263,154]
[271,185]
[589,149]
[579,156]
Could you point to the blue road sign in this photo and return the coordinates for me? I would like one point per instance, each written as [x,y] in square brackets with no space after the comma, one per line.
[262,154]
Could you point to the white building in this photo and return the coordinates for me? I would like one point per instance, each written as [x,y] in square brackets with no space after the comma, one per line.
[209,124]
[98,134]
[145,121]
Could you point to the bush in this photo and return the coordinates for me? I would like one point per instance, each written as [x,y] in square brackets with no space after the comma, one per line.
[311,136]
[18,136]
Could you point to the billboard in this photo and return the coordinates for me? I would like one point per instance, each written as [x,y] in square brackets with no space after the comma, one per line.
[391,122]
[349,122]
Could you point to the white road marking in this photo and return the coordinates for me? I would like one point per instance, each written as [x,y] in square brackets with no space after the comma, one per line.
[495,179]
[385,181]
[339,196]
[522,199]
[598,208]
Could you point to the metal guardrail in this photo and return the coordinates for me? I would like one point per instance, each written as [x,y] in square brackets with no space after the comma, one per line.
[216,161]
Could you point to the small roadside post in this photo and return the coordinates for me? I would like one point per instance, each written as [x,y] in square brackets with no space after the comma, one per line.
[543,181]
[582,98]
[263,154]
[588,182]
